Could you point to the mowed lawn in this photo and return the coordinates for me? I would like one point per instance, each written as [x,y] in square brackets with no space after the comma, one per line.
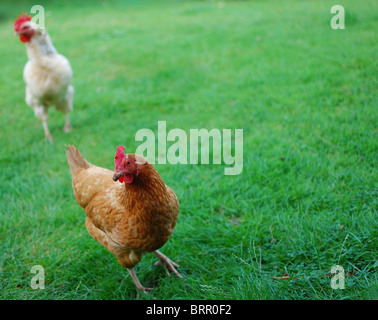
[305,96]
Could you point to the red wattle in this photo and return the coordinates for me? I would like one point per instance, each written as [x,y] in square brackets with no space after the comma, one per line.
[25,38]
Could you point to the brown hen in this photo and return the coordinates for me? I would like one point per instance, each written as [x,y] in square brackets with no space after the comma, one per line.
[131,216]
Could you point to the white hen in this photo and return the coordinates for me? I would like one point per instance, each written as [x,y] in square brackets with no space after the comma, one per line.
[47,74]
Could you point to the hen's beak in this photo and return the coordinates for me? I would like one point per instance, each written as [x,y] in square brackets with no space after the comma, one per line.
[117,175]
[16,33]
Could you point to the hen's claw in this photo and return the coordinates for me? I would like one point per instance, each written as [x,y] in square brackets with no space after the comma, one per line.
[145,290]
[67,128]
[49,138]
[167,263]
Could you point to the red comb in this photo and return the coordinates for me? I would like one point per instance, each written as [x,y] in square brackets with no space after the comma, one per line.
[20,20]
[120,155]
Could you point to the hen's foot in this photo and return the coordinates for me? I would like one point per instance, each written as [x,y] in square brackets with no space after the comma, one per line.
[144,289]
[136,281]
[67,127]
[49,137]
[167,263]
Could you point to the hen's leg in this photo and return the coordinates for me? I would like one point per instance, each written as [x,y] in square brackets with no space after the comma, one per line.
[41,113]
[136,281]
[47,132]
[70,95]
[168,263]
[124,259]
[66,105]
[67,126]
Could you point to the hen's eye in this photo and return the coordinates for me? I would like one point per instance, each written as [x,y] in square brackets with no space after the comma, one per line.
[128,162]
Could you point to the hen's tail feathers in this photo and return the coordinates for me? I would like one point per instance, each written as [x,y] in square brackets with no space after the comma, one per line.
[76,160]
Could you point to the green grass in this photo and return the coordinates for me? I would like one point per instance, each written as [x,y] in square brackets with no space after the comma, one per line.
[305,96]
